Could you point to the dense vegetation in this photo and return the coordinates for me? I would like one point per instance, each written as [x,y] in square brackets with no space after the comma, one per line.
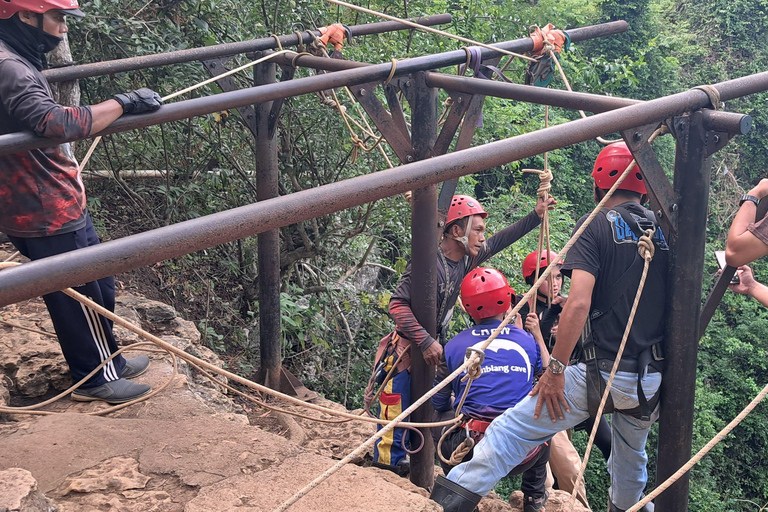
[672,45]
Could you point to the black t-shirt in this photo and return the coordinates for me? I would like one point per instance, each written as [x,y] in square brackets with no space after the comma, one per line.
[607,249]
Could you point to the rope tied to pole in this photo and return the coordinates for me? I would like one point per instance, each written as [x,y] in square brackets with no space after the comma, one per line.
[713,94]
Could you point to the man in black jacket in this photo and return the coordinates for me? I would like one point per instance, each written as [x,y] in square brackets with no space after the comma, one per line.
[42,199]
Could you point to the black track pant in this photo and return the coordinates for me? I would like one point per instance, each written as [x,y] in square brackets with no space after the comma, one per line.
[85,337]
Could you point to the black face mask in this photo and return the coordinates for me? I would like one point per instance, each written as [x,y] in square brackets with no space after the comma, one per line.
[32,43]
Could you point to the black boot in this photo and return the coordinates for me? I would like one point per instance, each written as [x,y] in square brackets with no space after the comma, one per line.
[453,497]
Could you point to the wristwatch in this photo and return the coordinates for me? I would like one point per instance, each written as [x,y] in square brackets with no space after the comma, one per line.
[556,366]
[747,197]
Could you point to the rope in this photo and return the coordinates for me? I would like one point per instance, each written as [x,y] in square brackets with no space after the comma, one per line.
[391,72]
[37,331]
[428,29]
[279,44]
[300,44]
[646,249]
[293,60]
[530,293]
[713,94]
[97,140]
[568,86]
[200,363]
[12,256]
[701,453]
[461,451]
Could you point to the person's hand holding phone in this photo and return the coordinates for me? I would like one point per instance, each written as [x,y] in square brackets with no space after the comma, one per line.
[720,256]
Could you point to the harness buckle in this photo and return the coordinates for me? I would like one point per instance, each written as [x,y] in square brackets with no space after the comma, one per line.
[589,353]
[657,352]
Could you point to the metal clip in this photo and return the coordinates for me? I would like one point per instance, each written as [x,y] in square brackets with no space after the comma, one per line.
[480,354]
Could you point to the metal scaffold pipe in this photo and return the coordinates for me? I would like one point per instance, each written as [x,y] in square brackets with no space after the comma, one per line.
[70,269]
[15,142]
[222,50]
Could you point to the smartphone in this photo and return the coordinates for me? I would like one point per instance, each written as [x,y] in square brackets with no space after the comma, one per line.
[720,256]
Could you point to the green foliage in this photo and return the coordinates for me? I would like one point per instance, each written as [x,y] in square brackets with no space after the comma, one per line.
[208,166]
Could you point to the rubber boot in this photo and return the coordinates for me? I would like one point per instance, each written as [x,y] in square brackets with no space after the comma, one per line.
[453,497]
[613,508]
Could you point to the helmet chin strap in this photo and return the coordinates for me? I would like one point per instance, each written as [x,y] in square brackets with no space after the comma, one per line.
[464,240]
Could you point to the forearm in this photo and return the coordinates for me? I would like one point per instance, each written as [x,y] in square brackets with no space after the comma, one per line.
[572,321]
[760,292]
[542,348]
[104,114]
[407,325]
[513,233]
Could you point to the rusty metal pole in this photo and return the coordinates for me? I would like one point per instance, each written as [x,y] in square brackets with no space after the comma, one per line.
[423,270]
[692,176]
[269,241]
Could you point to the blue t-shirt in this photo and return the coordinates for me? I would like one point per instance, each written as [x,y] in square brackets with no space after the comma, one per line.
[511,362]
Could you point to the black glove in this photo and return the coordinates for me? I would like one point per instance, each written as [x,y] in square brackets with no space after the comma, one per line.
[139,101]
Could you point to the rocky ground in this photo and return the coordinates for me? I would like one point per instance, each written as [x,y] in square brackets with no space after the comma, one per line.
[191,448]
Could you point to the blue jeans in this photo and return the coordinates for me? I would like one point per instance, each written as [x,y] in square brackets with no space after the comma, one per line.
[515,433]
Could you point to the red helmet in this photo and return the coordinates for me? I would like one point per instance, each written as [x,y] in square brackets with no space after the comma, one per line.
[529,263]
[611,163]
[10,7]
[462,206]
[485,293]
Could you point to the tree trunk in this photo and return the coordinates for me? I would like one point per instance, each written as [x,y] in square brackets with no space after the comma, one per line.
[64,93]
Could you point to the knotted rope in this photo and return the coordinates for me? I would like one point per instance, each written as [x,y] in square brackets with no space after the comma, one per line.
[713,94]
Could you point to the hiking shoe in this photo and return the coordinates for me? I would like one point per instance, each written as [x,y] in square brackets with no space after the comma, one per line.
[535,505]
[135,366]
[115,392]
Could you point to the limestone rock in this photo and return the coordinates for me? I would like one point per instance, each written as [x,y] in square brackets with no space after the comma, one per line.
[350,488]
[115,474]
[19,493]
[32,361]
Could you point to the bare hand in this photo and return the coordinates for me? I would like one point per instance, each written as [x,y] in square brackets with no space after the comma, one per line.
[747,281]
[432,354]
[542,206]
[550,390]
[560,299]
[532,325]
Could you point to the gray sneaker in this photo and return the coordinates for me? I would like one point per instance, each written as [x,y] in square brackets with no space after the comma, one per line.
[115,392]
[135,366]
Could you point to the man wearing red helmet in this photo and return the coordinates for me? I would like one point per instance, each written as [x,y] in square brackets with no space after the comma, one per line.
[509,367]
[42,199]
[463,248]
[605,269]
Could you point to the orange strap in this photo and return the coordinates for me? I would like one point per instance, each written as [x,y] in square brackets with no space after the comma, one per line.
[333,34]
[549,34]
